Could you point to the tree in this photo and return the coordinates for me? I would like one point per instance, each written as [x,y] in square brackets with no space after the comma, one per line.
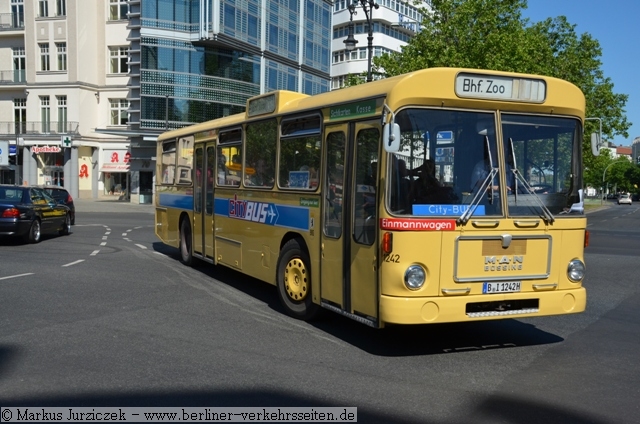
[492,34]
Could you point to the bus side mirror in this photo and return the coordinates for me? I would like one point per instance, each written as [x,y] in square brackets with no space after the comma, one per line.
[391,137]
[595,142]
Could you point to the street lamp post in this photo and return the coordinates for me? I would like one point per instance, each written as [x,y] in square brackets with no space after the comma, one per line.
[350,42]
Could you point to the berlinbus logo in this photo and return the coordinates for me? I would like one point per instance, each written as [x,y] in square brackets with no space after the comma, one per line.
[418,224]
[251,211]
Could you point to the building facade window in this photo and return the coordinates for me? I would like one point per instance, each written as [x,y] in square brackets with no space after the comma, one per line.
[20,115]
[118,10]
[17,13]
[62,114]
[44,57]
[119,114]
[43,8]
[45,114]
[119,60]
[19,64]
[62,56]
[61,7]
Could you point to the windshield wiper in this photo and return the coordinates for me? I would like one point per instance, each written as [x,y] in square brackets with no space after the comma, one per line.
[546,213]
[478,197]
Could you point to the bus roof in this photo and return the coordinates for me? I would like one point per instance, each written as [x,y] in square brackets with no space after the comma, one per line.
[432,86]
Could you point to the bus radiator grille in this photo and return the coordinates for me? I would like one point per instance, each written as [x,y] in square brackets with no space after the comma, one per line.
[502,307]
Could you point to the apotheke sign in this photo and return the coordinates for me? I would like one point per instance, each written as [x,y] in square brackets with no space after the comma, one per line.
[45,149]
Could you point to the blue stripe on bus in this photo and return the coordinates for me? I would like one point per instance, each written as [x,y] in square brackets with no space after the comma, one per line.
[265,213]
[180,201]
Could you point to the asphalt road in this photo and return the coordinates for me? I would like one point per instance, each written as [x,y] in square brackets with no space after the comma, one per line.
[109,317]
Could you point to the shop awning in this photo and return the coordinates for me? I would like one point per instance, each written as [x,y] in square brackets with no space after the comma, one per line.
[114,167]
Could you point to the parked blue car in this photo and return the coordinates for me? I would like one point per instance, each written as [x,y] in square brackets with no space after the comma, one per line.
[29,212]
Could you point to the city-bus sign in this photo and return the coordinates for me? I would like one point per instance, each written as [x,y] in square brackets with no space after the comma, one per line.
[493,87]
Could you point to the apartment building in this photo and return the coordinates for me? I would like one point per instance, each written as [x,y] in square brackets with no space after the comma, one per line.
[63,75]
[89,85]
[393,24]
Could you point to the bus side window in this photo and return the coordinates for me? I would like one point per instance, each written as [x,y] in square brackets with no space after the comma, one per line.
[261,141]
[300,152]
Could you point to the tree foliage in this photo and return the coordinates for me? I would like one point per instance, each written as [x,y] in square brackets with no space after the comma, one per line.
[492,34]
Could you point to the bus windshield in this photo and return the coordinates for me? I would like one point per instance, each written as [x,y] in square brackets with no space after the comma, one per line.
[453,163]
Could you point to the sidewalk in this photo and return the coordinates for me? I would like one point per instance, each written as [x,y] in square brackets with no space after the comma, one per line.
[111,204]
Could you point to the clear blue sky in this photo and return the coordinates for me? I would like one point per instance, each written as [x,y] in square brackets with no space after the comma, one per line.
[616,25]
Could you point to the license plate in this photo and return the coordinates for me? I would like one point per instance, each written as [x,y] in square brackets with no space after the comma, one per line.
[502,287]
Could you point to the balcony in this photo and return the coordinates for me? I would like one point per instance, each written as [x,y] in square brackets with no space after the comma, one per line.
[13,77]
[11,22]
[38,128]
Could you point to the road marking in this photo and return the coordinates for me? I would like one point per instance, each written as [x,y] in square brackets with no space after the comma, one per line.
[104,243]
[107,233]
[124,234]
[73,263]
[16,276]
[95,252]
[104,237]
[141,246]
[127,239]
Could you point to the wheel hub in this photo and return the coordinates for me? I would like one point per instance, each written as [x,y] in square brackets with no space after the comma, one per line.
[296,280]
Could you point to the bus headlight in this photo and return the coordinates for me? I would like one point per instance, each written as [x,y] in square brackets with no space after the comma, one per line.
[576,269]
[414,277]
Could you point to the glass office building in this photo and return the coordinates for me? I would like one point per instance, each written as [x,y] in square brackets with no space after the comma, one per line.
[194,60]
[202,59]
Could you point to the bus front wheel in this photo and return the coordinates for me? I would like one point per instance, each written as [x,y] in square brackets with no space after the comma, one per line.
[294,281]
[186,257]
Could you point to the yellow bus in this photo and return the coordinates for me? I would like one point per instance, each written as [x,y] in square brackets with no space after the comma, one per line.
[442,195]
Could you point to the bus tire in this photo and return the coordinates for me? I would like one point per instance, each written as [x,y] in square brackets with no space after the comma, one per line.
[294,281]
[186,254]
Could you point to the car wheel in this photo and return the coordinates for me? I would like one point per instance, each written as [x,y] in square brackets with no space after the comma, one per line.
[66,227]
[35,234]
[294,281]
[186,255]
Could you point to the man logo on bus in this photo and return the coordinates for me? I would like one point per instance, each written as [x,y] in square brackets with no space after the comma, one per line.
[504,263]
[250,211]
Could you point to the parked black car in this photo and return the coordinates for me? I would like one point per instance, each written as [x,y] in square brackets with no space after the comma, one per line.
[29,212]
[62,196]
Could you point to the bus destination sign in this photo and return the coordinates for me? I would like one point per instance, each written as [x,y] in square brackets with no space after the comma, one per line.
[353,110]
[493,87]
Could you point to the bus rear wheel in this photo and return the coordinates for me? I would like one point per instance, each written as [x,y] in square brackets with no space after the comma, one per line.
[294,281]
[186,255]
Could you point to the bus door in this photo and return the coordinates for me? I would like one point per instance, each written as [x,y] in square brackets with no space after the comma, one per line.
[203,201]
[198,201]
[349,237]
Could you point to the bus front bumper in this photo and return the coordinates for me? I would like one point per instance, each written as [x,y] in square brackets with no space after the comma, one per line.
[422,310]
